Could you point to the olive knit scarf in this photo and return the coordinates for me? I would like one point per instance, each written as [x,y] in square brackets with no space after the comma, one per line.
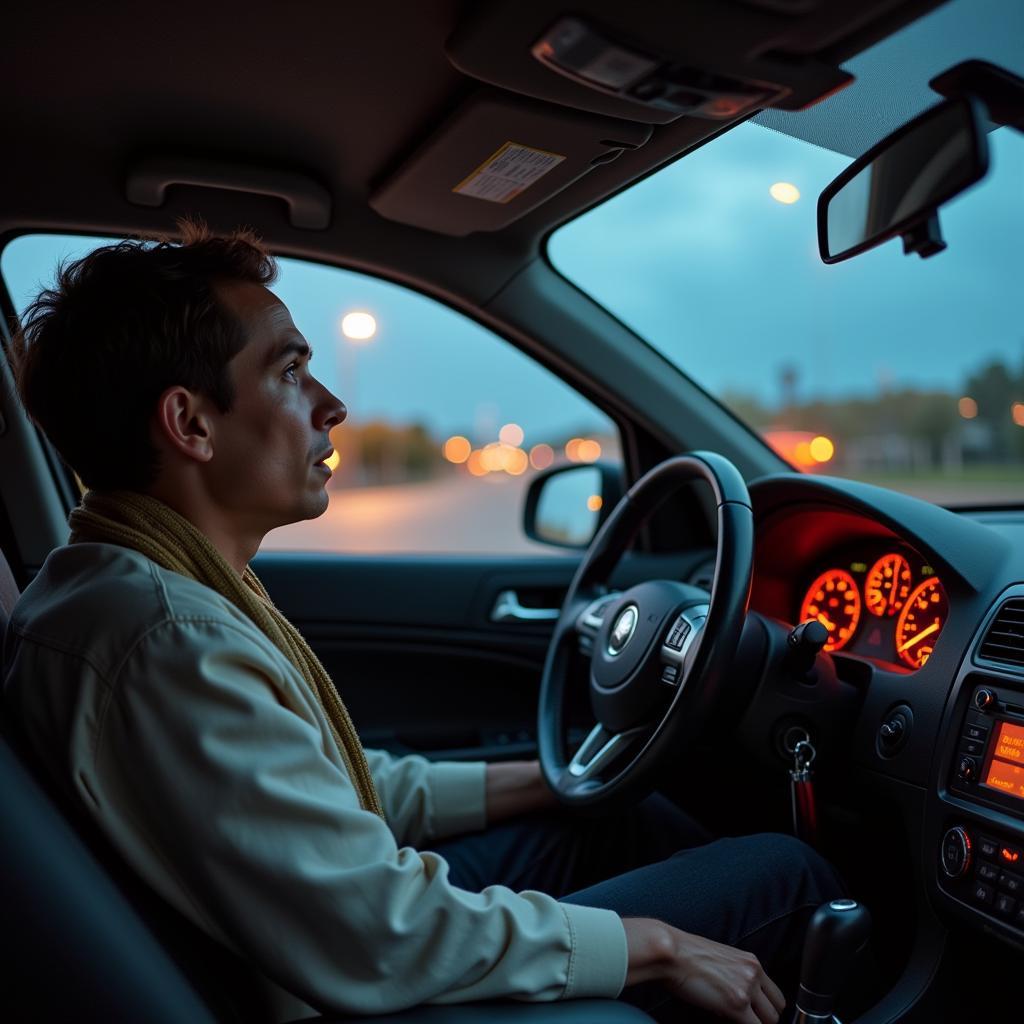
[153,529]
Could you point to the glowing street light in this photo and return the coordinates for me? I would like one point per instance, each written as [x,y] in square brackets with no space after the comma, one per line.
[784,192]
[358,325]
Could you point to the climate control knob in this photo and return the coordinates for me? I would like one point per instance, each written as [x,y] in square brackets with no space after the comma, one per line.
[956,852]
[984,699]
[967,769]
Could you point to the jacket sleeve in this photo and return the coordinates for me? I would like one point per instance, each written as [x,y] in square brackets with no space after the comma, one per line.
[429,800]
[229,800]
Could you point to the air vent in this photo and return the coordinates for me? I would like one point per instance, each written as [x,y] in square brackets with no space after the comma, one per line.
[1004,640]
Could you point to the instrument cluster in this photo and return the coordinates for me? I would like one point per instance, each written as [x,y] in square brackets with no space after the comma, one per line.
[890,605]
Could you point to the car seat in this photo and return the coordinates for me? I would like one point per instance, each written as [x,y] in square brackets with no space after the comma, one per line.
[83,939]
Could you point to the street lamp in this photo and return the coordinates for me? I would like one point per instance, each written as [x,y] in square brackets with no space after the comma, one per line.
[359,328]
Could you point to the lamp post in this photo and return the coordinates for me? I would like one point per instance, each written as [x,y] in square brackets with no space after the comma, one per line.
[357,328]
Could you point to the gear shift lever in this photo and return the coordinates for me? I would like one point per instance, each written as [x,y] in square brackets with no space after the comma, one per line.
[836,932]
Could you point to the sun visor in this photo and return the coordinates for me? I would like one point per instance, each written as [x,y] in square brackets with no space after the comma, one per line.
[495,159]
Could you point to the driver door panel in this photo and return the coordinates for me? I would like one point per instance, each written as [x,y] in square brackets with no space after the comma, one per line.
[413,649]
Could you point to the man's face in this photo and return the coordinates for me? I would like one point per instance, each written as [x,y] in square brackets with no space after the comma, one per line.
[267,467]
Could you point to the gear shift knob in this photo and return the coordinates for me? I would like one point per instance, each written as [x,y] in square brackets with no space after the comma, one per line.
[838,930]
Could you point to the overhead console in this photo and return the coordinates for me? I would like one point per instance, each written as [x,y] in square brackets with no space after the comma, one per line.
[566,91]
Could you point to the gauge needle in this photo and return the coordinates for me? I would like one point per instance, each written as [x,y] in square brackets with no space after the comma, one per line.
[823,619]
[917,639]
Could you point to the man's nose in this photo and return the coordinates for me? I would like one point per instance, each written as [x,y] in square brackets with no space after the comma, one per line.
[330,410]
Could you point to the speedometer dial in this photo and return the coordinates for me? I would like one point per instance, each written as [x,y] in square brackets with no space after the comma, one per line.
[834,600]
[920,622]
[888,585]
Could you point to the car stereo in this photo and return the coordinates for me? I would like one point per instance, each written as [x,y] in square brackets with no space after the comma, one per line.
[989,764]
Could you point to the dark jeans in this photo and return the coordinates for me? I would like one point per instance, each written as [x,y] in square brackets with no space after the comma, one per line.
[755,892]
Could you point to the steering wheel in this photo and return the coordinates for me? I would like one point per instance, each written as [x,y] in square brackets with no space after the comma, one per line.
[658,652]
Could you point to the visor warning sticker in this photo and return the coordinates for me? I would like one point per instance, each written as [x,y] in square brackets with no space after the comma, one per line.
[506,173]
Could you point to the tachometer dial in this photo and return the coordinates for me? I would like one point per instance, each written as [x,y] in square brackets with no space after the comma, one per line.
[888,585]
[920,622]
[834,600]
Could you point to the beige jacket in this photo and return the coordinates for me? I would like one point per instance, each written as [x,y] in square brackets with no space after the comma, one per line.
[202,754]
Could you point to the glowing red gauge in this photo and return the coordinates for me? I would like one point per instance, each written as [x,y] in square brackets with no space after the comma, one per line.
[834,600]
[888,585]
[920,622]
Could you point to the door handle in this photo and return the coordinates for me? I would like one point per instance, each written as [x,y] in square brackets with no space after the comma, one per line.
[508,609]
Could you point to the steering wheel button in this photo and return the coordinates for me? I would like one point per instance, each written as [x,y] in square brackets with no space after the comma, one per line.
[670,674]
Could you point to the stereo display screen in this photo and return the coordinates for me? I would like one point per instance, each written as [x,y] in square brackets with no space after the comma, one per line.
[1006,769]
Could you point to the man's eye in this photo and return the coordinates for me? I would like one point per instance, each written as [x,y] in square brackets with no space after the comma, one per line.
[290,370]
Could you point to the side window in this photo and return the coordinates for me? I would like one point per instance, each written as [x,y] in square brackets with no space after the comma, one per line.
[447,422]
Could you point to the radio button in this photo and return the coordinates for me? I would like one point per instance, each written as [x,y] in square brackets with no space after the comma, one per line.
[984,699]
[988,872]
[983,893]
[971,747]
[1005,905]
[1019,919]
[967,769]
[976,732]
[988,848]
[1013,884]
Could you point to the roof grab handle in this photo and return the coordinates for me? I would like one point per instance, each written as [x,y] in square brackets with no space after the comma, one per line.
[309,203]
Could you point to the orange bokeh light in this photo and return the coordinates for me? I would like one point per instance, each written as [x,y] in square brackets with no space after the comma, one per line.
[572,449]
[1017,412]
[821,448]
[594,502]
[475,463]
[516,461]
[457,449]
[967,407]
[588,451]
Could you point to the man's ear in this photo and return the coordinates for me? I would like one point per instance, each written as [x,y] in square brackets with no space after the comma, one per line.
[183,421]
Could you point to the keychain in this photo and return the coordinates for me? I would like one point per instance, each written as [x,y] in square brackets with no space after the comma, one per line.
[801,785]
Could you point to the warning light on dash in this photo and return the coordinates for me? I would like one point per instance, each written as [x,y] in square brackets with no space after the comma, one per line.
[1010,856]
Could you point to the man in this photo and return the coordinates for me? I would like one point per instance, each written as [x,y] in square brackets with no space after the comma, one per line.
[152,674]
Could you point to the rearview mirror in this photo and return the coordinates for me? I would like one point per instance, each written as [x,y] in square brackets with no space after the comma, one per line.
[897,186]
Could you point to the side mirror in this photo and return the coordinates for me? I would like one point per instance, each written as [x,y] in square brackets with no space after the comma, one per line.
[566,505]
[897,186]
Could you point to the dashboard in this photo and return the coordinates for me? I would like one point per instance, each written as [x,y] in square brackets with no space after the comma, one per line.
[877,600]
[924,610]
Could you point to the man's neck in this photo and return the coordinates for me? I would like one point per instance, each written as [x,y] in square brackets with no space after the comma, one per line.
[235,543]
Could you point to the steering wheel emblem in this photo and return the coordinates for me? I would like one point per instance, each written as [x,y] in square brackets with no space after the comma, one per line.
[622,630]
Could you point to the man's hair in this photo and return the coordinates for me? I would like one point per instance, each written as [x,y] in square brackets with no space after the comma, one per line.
[120,326]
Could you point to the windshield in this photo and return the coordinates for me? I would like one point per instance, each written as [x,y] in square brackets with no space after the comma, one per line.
[886,368]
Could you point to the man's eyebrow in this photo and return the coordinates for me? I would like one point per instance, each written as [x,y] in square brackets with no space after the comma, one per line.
[291,346]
